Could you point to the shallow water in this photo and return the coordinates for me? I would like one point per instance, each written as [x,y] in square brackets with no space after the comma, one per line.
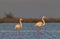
[28,31]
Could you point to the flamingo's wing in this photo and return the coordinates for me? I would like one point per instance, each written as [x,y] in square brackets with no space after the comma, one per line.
[38,24]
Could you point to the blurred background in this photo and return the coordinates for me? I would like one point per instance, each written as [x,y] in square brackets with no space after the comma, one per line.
[30,8]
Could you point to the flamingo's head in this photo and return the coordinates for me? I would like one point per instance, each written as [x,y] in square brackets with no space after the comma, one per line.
[43,16]
[21,19]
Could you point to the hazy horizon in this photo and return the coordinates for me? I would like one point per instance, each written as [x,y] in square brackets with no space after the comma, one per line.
[31,8]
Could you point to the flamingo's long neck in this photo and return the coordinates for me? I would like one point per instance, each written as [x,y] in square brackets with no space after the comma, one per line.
[43,21]
[20,23]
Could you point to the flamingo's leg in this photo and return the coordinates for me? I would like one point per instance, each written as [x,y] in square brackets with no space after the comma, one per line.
[17,33]
[38,31]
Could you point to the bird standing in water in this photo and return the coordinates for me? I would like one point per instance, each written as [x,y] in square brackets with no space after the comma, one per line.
[19,26]
[40,24]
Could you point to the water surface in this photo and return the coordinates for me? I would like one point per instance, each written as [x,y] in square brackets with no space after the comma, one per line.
[28,31]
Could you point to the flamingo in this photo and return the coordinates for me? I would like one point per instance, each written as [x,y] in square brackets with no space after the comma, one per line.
[19,26]
[40,24]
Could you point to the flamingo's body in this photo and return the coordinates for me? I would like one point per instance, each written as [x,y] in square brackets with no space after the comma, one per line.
[40,24]
[19,26]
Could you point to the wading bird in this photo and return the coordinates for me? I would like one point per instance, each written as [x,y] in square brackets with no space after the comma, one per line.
[19,26]
[40,24]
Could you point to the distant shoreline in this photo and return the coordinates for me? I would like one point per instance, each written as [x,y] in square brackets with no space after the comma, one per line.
[29,20]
